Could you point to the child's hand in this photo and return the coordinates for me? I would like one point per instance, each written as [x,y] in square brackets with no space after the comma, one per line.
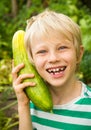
[19,86]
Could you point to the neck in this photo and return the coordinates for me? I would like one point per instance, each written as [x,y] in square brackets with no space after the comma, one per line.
[64,94]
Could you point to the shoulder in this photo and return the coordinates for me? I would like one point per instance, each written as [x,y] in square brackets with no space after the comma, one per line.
[87,90]
[32,106]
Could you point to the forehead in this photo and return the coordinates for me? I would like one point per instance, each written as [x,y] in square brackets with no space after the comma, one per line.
[52,39]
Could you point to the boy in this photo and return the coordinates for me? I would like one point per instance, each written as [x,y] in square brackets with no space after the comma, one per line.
[54,45]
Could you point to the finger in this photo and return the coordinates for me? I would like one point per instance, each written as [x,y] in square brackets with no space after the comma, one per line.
[22,77]
[19,88]
[16,69]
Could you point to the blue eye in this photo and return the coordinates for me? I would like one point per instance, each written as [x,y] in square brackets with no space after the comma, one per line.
[42,51]
[62,47]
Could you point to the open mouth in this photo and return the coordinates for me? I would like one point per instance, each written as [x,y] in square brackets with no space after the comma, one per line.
[56,70]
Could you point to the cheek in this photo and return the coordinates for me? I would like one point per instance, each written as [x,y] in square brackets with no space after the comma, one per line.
[70,58]
[39,63]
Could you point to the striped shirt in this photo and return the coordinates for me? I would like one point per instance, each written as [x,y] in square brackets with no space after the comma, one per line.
[75,115]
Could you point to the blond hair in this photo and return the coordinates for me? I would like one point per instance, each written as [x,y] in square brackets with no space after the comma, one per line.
[49,21]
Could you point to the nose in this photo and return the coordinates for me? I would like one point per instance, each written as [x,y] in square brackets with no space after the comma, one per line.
[53,57]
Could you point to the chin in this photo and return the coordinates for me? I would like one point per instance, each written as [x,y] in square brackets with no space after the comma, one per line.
[55,84]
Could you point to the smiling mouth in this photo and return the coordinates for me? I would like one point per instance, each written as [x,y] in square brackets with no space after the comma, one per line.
[56,70]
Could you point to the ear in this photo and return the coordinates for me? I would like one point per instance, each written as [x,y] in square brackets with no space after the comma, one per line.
[80,54]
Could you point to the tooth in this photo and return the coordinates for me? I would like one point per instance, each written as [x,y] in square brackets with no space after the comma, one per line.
[50,71]
[57,69]
[61,68]
[54,70]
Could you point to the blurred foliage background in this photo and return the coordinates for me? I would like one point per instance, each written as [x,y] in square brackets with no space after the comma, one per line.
[13,16]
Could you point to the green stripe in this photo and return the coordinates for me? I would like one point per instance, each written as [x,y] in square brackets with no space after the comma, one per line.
[34,107]
[84,101]
[59,125]
[78,114]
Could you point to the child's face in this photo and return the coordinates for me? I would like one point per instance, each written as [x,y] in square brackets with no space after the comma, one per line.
[55,59]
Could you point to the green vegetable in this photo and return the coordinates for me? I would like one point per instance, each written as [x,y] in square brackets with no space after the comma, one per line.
[38,94]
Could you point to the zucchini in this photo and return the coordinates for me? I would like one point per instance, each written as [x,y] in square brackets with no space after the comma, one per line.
[40,94]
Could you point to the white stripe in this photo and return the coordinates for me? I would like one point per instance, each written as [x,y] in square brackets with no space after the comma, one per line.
[41,127]
[89,93]
[76,107]
[60,118]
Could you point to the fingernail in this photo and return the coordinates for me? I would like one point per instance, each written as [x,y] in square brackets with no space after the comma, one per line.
[33,83]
